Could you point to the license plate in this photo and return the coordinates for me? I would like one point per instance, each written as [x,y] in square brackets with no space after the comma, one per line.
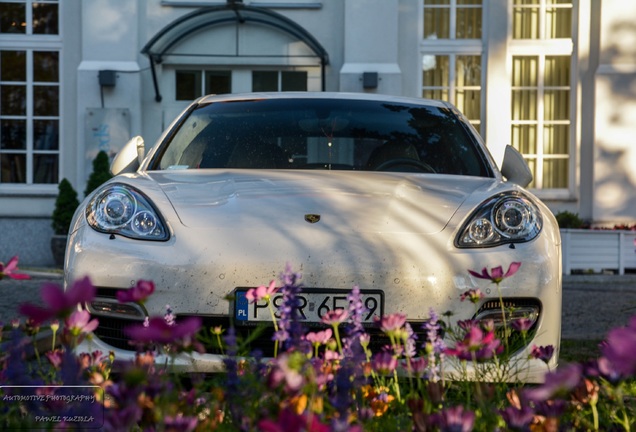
[314,304]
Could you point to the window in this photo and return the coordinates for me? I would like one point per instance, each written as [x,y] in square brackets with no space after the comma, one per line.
[272,81]
[29,96]
[457,79]
[191,84]
[452,71]
[452,19]
[541,89]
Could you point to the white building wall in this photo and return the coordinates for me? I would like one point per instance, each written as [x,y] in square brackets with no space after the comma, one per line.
[615,115]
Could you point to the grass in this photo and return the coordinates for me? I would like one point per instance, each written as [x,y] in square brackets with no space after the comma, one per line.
[574,350]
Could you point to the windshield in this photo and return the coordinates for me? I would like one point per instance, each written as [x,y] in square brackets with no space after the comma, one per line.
[328,134]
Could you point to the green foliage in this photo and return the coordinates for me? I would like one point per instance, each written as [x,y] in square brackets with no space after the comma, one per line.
[65,205]
[101,172]
[568,219]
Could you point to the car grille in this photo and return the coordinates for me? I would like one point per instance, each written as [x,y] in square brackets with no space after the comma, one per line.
[111,331]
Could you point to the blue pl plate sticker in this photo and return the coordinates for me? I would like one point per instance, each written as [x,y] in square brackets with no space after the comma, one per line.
[242,305]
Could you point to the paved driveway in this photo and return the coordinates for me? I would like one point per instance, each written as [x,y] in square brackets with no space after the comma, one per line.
[592,305]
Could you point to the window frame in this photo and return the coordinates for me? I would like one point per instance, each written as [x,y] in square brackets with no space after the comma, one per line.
[37,42]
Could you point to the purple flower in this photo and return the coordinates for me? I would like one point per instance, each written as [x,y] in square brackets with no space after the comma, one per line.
[10,268]
[137,294]
[620,349]
[179,423]
[454,419]
[557,383]
[518,419]
[290,329]
[496,274]
[543,353]
[60,303]
[159,331]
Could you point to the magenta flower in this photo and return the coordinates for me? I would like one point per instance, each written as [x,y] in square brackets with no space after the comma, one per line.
[543,353]
[476,345]
[10,268]
[335,317]
[80,323]
[454,419]
[60,303]
[522,324]
[474,295]
[384,363]
[620,349]
[496,274]
[262,292]
[137,294]
[55,357]
[159,331]
[289,421]
[518,418]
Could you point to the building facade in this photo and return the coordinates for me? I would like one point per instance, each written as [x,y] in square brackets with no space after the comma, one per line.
[554,78]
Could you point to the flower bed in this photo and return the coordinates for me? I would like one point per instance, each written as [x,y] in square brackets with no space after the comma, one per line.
[324,380]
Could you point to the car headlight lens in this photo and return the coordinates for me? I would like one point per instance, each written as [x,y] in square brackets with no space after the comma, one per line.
[507,218]
[123,210]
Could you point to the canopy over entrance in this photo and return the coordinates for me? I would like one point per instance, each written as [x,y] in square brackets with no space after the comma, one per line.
[172,39]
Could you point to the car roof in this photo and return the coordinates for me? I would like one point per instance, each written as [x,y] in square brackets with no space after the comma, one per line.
[321,95]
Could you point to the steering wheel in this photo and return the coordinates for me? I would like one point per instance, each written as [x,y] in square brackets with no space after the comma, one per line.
[405,162]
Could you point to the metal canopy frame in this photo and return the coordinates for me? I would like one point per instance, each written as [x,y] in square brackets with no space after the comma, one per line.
[159,46]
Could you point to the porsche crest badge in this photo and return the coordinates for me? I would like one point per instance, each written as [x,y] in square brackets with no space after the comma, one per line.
[312,218]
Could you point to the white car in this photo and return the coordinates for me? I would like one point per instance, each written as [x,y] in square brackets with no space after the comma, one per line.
[398,196]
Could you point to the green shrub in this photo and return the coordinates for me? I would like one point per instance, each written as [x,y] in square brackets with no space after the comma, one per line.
[568,219]
[101,172]
[65,205]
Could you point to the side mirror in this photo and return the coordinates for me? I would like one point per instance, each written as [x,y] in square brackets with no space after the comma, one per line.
[514,168]
[129,158]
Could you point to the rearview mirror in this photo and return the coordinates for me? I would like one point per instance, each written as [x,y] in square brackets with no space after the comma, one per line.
[514,168]
[129,157]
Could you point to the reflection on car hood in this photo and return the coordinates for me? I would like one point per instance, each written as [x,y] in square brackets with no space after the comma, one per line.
[344,200]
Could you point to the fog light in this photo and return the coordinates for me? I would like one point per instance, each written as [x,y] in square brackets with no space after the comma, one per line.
[108,307]
[492,311]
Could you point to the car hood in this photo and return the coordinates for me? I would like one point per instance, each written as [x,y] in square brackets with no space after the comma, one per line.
[345,201]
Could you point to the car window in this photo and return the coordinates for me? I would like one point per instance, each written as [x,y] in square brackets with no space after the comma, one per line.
[328,134]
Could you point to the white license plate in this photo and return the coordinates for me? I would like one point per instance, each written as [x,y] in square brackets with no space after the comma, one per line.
[314,304]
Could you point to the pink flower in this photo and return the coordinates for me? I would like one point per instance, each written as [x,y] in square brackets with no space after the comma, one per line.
[384,362]
[60,303]
[335,317]
[474,295]
[159,331]
[262,292]
[393,322]
[454,419]
[496,275]
[522,324]
[55,357]
[137,294]
[320,337]
[9,270]
[80,322]
[559,382]
[476,345]
[289,421]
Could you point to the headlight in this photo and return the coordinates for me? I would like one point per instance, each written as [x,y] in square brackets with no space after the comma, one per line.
[123,210]
[506,218]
